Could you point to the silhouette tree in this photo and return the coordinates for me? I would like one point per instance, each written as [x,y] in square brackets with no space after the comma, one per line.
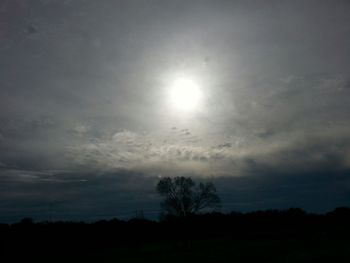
[183,197]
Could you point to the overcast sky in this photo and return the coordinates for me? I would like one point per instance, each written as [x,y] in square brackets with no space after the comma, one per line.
[86,127]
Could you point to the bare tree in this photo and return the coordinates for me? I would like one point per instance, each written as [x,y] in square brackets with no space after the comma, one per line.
[183,197]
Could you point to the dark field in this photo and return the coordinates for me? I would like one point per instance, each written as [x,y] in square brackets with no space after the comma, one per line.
[223,251]
[270,236]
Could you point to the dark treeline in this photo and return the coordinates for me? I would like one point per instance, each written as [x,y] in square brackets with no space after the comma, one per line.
[291,223]
[65,237]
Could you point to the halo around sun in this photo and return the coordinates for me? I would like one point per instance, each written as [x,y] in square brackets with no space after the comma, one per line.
[185,94]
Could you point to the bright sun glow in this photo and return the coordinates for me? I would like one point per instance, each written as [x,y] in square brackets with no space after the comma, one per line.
[185,94]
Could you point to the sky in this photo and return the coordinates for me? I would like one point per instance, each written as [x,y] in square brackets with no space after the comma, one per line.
[87,124]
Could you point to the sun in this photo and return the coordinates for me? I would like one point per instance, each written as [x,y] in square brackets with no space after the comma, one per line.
[185,94]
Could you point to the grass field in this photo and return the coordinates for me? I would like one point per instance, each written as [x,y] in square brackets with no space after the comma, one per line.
[218,251]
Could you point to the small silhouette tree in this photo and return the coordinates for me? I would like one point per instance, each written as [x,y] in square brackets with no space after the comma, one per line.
[183,197]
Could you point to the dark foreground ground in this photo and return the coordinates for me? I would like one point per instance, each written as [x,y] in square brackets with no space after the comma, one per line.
[270,236]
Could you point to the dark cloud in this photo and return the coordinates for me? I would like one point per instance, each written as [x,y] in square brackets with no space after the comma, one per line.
[83,88]
[76,196]
[318,191]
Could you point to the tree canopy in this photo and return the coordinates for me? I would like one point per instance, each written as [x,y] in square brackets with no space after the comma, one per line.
[182,196]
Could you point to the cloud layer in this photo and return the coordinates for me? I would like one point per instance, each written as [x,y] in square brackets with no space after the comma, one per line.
[84,88]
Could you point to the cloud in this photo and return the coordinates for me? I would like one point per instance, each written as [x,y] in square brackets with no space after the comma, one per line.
[90,99]
[296,151]
[72,195]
